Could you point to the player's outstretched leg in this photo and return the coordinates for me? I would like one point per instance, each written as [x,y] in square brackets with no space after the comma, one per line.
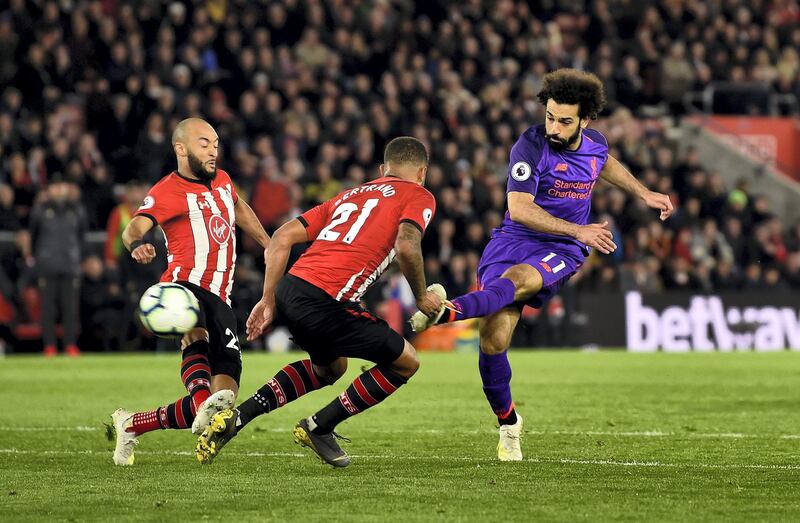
[291,382]
[127,426]
[126,441]
[495,372]
[477,304]
[370,388]
[196,377]
[518,283]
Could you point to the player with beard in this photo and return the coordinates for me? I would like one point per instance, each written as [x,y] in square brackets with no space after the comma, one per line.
[546,233]
[198,209]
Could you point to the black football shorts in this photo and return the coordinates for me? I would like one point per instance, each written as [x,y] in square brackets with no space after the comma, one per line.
[328,329]
[216,316]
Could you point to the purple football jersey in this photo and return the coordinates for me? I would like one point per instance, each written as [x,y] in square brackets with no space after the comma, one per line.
[561,182]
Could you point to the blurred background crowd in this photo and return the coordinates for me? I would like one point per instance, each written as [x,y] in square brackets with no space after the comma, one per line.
[305,94]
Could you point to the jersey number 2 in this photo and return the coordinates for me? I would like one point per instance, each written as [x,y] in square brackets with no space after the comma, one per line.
[341,215]
[233,343]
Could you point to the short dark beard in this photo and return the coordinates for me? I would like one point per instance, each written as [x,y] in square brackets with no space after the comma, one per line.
[559,144]
[198,168]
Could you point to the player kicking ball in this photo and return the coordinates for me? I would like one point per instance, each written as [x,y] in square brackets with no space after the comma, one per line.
[355,236]
[546,233]
[198,209]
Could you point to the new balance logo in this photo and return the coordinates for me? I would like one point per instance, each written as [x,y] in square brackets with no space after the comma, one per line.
[561,168]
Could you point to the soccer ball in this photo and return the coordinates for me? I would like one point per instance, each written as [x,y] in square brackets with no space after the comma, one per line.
[169,310]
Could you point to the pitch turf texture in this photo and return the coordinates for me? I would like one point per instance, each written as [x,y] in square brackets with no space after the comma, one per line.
[609,436]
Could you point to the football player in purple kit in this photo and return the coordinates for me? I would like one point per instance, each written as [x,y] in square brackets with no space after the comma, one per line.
[546,234]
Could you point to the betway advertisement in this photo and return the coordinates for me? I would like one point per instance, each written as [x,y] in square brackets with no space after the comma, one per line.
[682,322]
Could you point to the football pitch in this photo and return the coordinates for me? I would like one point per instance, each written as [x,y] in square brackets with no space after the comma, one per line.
[608,436]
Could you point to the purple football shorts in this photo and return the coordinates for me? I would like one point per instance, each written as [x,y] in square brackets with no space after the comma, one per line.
[556,263]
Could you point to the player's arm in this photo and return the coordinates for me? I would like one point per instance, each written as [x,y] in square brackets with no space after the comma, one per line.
[249,223]
[288,235]
[408,247]
[616,173]
[133,238]
[522,209]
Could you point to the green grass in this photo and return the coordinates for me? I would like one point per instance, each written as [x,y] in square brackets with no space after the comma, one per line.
[609,436]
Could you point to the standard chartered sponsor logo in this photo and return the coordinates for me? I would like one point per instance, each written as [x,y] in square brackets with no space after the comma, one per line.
[706,324]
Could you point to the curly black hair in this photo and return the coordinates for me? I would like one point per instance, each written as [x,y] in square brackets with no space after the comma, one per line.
[570,86]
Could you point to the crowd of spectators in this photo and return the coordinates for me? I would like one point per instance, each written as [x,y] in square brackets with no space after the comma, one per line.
[305,94]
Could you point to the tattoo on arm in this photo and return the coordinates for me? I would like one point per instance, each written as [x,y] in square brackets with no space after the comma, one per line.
[409,255]
[408,232]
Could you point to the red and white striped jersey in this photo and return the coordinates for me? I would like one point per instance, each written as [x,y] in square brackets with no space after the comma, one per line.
[354,233]
[199,223]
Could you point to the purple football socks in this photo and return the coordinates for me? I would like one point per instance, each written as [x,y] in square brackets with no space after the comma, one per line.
[492,298]
[496,376]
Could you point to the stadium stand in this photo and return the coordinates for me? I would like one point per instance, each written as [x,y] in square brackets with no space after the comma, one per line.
[305,94]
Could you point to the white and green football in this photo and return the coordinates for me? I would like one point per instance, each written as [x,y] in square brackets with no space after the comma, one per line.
[169,310]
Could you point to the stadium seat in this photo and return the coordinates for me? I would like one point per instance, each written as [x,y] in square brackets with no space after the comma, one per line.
[31,328]
[7,311]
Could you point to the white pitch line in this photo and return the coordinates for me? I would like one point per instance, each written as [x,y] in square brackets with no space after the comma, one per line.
[50,429]
[544,461]
[571,461]
[658,434]
[624,434]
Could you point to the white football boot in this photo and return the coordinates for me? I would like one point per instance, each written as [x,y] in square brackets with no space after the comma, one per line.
[419,321]
[220,400]
[126,441]
[508,448]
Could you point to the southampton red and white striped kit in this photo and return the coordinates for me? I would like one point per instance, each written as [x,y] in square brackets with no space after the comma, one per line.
[354,234]
[199,223]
